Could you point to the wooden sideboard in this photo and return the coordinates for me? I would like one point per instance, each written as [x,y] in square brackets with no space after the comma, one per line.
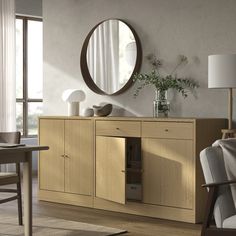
[142,166]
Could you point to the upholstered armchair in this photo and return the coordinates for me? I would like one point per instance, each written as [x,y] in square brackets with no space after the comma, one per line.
[220,202]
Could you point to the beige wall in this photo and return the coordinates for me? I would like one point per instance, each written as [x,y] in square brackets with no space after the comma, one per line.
[29,7]
[195,28]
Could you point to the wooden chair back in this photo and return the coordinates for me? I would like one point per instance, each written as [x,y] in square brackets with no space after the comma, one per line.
[11,137]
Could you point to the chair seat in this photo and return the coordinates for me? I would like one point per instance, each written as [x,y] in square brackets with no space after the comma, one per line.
[230,222]
[7,175]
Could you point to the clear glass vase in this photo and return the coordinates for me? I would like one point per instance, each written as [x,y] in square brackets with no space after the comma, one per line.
[161,105]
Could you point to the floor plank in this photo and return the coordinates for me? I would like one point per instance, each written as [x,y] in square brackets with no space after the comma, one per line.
[136,225]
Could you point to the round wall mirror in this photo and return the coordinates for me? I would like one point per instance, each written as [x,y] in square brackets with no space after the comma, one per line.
[110,55]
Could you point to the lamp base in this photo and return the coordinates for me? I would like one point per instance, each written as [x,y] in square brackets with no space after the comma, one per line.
[73,108]
[228,133]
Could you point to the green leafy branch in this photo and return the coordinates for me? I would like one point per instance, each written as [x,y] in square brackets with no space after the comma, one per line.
[163,83]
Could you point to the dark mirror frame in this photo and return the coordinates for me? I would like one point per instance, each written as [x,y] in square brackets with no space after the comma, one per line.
[84,66]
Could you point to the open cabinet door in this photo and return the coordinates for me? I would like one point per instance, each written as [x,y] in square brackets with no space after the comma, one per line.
[110,168]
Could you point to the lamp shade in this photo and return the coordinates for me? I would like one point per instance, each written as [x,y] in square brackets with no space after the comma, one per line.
[222,71]
[73,95]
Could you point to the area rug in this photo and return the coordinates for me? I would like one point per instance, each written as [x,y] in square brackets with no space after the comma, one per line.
[48,226]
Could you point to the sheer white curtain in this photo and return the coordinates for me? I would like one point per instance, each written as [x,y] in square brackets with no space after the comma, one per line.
[7,66]
[103,56]
[7,70]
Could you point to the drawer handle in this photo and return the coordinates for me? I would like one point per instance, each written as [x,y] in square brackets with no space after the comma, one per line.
[123,171]
[117,128]
[62,155]
[66,156]
[166,130]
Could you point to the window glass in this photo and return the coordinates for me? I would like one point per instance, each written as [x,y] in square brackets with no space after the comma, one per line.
[34,110]
[28,83]
[19,58]
[35,59]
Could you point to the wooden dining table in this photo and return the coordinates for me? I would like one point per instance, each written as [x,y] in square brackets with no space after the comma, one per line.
[23,154]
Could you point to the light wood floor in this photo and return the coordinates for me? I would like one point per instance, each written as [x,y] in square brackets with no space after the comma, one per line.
[135,225]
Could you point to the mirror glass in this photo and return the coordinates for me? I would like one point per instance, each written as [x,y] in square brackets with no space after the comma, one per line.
[111,56]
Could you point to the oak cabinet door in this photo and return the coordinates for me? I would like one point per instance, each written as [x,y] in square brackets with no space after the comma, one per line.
[110,168]
[168,177]
[51,162]
[79,156]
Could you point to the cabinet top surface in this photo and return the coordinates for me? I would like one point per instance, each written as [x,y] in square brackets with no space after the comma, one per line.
[130,118]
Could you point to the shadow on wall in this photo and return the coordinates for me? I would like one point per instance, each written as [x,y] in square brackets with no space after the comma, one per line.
[120,111]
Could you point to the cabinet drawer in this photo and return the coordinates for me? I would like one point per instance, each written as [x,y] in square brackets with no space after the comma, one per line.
[118,128]
[167,130]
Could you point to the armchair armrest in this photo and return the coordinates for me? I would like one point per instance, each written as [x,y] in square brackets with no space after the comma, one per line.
[219,184]
[211,199]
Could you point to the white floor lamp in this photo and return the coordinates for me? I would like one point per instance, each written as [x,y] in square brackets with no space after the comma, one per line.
[222,74]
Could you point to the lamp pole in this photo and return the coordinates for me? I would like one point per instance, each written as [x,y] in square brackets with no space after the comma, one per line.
[230,132]
[230,108]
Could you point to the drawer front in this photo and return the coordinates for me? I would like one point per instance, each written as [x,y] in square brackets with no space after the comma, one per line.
[118,128]
[173,130]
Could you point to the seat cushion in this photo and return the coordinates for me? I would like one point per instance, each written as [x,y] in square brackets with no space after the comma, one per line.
[230,222]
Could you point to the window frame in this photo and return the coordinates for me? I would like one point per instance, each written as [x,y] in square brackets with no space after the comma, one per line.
[25,100]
